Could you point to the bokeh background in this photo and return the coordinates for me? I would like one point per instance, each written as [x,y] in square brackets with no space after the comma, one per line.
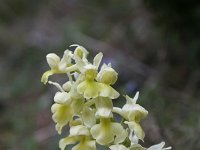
[153,44]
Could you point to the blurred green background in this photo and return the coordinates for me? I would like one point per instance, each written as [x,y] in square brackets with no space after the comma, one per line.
[153,44]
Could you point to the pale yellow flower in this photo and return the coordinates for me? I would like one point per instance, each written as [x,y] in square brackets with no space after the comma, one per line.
[89,89]
[53,61]
[57,65]
[66,98]
[78,134]
[107,132]
[62,114]
[93,89]
[83,64]
[134,113]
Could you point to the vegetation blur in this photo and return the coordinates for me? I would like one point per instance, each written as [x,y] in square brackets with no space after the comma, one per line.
[154,45]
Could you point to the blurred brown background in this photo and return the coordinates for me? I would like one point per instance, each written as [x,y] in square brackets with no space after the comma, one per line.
[153,44]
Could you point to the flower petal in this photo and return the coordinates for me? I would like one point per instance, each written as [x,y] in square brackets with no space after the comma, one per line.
[77,105]
[86,145]
[65,61]
[79,130]
[138,131]
[119,132]
[53,60]
[108,91]
[137,147]
[118,147]
[104,107]
[67,141]
[102,134]
[137,113]
[132,101]
[62,114]
[46,75]
[89,89]
[159,147]
[88,116]
[62,98]
[107,75]
[97,59]
[107,131]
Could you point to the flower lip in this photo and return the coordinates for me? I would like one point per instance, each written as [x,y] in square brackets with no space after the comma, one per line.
[107,132]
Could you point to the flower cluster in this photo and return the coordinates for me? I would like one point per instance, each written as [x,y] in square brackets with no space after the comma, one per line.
[84,103]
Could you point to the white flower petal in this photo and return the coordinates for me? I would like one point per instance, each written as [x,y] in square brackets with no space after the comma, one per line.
[104,107]
[67,141]
[137,147]
[107,131]
[108,91]
[85,145]
[97,59]
[88,116]
[89,89]
[62,98]
[132,101]
[65,61]
[120,133]
[118,147]
[138,131]
[79,130]
[62,114]
[67,86]
[53,60]
[159,147]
